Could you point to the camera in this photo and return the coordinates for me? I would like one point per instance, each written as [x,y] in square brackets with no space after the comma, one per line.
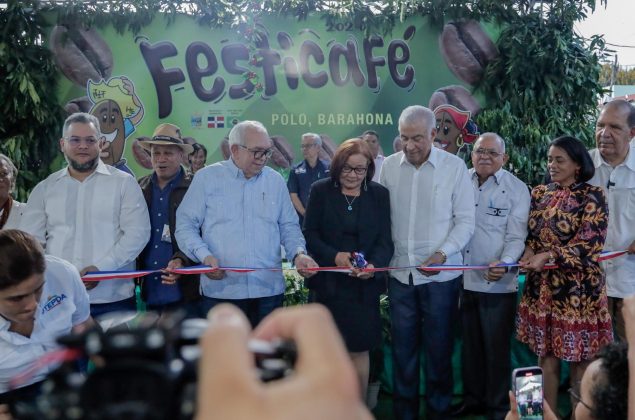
[143,368]
[528,389]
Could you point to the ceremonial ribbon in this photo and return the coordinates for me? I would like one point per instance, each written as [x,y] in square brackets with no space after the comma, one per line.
[202,269]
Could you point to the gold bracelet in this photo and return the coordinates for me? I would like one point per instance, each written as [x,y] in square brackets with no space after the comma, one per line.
[445,257]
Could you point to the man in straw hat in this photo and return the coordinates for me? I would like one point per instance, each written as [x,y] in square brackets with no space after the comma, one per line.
[164,190]
[90,214]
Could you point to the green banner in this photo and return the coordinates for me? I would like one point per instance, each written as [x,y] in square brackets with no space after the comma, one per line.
[293,76]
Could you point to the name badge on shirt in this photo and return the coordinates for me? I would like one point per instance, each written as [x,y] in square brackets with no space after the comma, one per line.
[165,235]
[495,211]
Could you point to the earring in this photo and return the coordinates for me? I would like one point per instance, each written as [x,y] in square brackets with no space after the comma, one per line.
[365,186]
[459,141]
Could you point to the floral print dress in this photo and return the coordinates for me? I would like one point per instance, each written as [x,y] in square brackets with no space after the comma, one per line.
[563,312]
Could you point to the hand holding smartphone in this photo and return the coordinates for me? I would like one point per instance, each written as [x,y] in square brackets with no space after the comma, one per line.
[528,389]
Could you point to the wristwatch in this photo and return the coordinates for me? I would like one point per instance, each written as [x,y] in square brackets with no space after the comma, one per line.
[296,256]
[443,254]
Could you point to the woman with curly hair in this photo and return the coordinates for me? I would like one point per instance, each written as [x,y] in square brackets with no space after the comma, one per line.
[563,313]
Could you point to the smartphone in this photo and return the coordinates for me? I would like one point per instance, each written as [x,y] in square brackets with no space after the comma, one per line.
[528,389]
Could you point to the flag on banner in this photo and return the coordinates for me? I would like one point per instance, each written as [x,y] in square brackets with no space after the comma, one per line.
[215,121]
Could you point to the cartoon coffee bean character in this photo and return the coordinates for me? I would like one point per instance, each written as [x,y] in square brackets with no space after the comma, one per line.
[454,128]
[119,110]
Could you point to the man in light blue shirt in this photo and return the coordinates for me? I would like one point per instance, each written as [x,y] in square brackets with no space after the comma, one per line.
[236,213]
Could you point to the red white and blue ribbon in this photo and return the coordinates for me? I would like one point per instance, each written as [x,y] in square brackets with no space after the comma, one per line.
[203,269]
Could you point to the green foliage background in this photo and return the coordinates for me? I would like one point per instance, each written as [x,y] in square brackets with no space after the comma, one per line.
[544,83]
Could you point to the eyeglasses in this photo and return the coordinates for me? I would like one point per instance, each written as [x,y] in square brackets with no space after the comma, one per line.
[258,154]
[76,141]
[576,397]
[486,152]
[359,171]
[307,146]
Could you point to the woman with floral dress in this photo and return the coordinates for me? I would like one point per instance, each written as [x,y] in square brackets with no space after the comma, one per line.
[563,313]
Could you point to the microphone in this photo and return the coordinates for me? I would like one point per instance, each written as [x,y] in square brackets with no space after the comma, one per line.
[609,184]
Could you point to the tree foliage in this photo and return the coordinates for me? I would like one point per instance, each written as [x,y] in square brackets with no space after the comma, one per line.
[623,76]
[544,83]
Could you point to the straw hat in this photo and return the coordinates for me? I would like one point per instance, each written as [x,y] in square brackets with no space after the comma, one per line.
[166,135]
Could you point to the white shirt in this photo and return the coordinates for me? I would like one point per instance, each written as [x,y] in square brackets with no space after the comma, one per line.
[379,160]
[15,215]
[102,221]
[502,212]
[63,305]
[431,209]
[620,272]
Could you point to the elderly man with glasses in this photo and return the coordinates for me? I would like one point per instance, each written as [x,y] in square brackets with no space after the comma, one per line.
[237,213]
[488,303]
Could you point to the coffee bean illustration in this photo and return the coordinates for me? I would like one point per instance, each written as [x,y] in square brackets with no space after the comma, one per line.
[81,54]
[282,152]
[467,50]
[457,96]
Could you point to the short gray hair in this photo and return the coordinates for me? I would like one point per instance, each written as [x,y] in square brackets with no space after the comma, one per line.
[237,133]
[416,114]
[82,118]
[12,168]
[501,141]
[316,137]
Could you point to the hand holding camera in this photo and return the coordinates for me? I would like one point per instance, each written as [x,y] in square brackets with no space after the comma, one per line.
[323,385]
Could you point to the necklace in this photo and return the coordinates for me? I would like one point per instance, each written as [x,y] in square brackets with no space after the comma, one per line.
[350,203]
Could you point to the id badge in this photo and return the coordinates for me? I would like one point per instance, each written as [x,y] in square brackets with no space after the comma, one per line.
[165,235]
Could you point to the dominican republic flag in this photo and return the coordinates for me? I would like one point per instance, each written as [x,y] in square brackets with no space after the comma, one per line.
[215,121]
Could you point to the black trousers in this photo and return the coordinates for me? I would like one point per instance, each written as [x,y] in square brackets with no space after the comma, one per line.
[488,324]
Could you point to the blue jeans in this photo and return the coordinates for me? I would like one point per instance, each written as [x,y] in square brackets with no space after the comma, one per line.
[125,305]
[423,315]
[255,308]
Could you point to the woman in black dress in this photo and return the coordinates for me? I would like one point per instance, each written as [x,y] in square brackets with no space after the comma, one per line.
[350,213]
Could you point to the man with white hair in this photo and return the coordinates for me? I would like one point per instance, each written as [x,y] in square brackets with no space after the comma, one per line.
[90,214]
[432,213]
[236,213]
[488,303]
[305,173]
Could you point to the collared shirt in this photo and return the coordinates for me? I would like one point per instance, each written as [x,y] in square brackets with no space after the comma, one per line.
[620,272]
[502,212]
[379,160]
[432,208]
[15,215]
[302,176]
[102,221]
[63,305]
[242,222]
[159,250]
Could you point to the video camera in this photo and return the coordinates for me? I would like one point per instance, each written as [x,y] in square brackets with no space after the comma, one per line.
[144,368]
